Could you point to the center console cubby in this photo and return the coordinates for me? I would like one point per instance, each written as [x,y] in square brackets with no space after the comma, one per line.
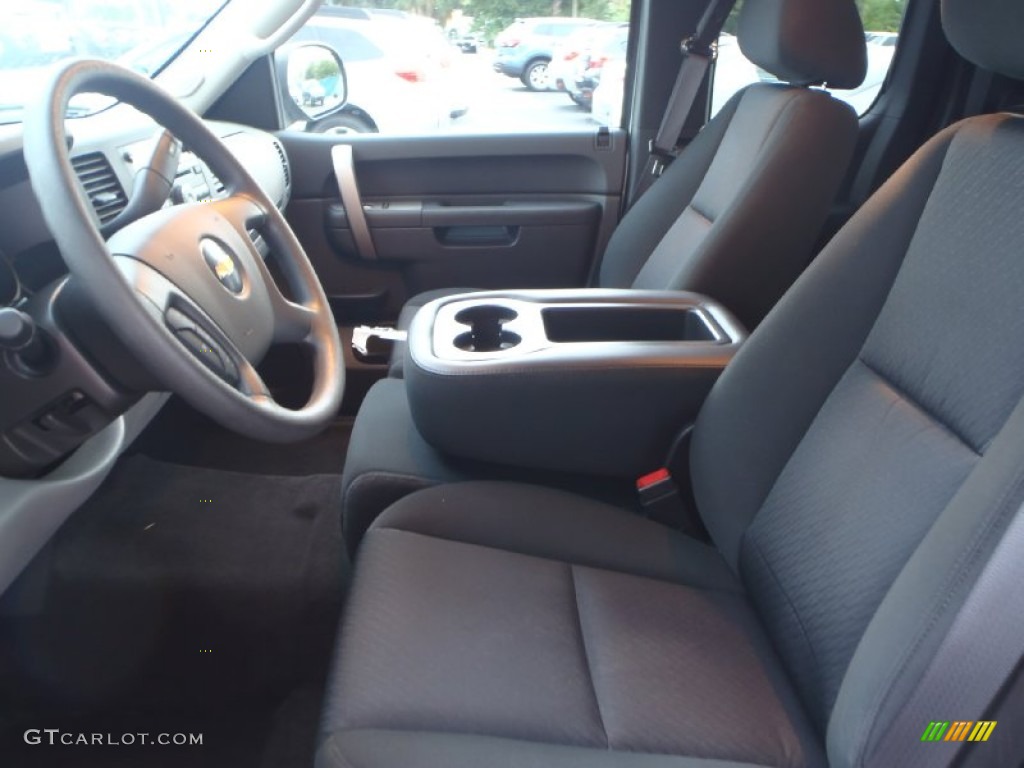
[594,381]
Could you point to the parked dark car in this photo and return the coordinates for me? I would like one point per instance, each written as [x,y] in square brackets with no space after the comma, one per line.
[467,43]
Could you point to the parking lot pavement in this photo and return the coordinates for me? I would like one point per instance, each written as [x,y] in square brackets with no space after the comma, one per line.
[499,104]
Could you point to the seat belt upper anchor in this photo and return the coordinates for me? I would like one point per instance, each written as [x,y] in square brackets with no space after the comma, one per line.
[692,46]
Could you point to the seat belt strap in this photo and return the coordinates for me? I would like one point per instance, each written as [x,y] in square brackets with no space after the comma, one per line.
[974,661]
[698,53]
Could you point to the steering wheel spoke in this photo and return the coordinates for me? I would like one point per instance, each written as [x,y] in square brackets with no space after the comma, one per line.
[241,211]
[185,287]
[292,322]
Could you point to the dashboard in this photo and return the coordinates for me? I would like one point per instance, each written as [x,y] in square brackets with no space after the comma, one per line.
[106,167]
[61,433]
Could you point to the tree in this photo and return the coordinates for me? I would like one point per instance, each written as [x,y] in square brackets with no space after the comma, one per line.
[876,15]
[881,15]
[322,69]
[492,16]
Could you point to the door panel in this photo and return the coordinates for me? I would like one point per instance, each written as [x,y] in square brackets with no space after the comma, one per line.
[491,211]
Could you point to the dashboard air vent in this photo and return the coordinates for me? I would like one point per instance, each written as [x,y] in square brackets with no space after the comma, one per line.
[285,166]
[101,185]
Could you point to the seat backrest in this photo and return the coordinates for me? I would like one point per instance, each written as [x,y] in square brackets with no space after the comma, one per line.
[863,454]
[738,213]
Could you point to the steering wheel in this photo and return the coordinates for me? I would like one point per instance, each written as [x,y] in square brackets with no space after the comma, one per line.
[184,288]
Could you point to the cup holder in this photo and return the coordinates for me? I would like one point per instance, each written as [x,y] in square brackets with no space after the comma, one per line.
[486,333]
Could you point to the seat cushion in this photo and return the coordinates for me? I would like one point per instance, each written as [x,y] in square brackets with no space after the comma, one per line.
[388,459]
[501,620]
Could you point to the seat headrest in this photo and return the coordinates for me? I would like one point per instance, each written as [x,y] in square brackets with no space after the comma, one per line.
[805,41]
[988,33]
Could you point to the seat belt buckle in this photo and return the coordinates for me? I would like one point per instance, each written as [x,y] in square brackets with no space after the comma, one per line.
[659,496]
[372,344]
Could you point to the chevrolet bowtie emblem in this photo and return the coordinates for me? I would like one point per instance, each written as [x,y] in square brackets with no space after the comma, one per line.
[222,264]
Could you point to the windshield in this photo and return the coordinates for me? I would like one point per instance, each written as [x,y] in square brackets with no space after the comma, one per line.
[140,34]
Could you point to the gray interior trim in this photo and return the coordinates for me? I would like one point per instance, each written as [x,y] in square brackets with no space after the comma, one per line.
[599,171]
[31,511]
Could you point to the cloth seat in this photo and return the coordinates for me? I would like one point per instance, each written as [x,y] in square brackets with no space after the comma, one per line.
[640,639]
[393,460]
[737,215]
[856,465]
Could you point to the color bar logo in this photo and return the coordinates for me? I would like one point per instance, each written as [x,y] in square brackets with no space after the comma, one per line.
[958,730]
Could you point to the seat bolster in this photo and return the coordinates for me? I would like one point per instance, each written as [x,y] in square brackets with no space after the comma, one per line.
[758,412]
[380,748]
[409,310]
[552,524]
[387,459]
[914,618]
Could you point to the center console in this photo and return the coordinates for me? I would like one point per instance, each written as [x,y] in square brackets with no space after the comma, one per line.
[591,381]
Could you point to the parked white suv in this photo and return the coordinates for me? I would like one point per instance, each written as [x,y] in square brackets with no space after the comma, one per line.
[399,73]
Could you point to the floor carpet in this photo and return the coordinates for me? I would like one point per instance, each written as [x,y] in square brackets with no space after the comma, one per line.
[183,599]
[182,435]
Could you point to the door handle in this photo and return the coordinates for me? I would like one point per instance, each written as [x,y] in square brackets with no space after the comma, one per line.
[345,172]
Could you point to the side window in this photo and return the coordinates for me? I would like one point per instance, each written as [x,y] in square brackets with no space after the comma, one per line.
[881,19]
[477,69]
[351,44]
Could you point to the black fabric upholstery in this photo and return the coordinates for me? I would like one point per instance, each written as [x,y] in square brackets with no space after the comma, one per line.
[558,525]
[759,410]
[750,227]
[987,33]
[393,460]
[805,41]
[647,221]
[962,275]
[920,605]
[737,214]
[855,465]
[852,470]
[614,653]
[368,748]
[818,578]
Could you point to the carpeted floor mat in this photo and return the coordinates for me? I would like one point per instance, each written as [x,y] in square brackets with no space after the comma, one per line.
[182,435]
[183,598]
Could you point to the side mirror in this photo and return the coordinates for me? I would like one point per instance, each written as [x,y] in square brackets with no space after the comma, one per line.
[314,79]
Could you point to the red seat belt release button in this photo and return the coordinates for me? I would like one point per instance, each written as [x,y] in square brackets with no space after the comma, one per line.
[658,493]
[653,478]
